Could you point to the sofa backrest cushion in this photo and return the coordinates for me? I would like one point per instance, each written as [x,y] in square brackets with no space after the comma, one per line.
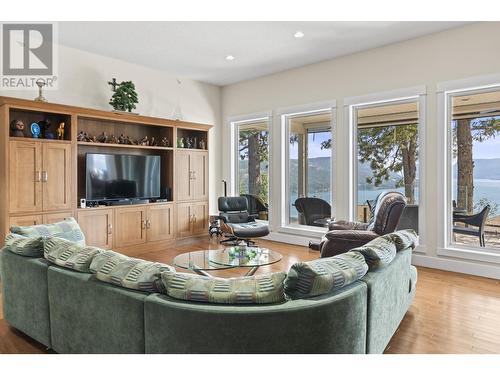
[378,253]
[69,254]
[260,289]
[25,246]
[404,239]
[320,276]
[131,273]
[67,229]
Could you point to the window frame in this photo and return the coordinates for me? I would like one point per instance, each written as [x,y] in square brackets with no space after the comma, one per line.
[415,94]
[445,94]
[282,116]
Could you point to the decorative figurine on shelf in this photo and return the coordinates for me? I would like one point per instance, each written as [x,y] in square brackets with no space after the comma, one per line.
[180,142]
[122,140]
[202,144]
[45,129]
[91,138]
[35,130]
[40,82]
[16,128]
[164,142]
[60,131]
[189,142]
[82,136]
[152,142]
[195,142]
[103,138]
[124,95]
[112,139]
[144,141]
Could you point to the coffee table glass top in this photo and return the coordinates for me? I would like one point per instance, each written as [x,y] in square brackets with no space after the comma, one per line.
[230,257]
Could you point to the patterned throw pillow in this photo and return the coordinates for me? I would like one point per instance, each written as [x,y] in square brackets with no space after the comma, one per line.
[320,276]
[239,290]
[378,253]
[404,239]
[131,273]
[67,229]
[69,254]
[25,246]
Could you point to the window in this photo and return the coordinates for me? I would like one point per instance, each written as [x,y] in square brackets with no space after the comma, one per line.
[474,120]
[387,149]
[308,141]
[252,163]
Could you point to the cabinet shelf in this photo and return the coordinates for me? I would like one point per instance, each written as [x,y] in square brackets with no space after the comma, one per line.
[118,145]
[28,139]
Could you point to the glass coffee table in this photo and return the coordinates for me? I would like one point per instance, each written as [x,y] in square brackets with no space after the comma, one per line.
[231,257]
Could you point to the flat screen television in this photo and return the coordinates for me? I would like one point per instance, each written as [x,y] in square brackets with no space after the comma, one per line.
[119,176]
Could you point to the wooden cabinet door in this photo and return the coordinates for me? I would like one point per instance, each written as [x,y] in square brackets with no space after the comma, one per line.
[199,212]
[159,222]
[130,226]
[199,173]
[184,220]
[97,225]
[25,176]
[56,217]
[183,181]
[56,176]
[25,220]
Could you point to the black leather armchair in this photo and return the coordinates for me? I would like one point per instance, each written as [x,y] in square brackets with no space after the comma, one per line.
[344,235]
[237,223]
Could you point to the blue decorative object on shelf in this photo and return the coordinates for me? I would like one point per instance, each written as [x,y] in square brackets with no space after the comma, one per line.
[35,130]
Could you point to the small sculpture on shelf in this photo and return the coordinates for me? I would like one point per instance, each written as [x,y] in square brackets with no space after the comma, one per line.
[35,130]
[103,138]
[60,131]
[195,142]
[112,139]
[202,144]
[16,128]
[40,82]
[189,142]
[131,141]
[45,129]
[180,142]
[152,142]
[144,141]
[164,142]
[122,139]
[82,136]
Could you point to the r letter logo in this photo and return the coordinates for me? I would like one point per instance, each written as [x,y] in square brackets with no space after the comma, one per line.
[27,49]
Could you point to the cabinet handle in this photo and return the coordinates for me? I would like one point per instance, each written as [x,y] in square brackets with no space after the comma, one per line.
[194,175]
[191,175]
[148,223]
[110,229]
[143,224]
[194,218]
[38,176]
[45,176]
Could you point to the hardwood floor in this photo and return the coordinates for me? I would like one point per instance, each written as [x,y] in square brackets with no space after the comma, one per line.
[452,313]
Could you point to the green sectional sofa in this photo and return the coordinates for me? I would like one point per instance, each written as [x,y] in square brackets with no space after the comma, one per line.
[74,312]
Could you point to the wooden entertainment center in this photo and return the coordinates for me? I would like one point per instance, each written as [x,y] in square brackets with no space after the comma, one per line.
[44,179]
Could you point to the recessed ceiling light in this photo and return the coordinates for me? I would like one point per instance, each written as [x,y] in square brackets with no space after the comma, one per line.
[298,34]
[230,57]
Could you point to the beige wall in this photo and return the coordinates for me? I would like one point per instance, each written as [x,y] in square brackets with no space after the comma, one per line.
[82,81]
[454,54]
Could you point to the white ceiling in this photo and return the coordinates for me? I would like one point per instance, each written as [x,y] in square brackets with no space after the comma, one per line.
[197,50]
